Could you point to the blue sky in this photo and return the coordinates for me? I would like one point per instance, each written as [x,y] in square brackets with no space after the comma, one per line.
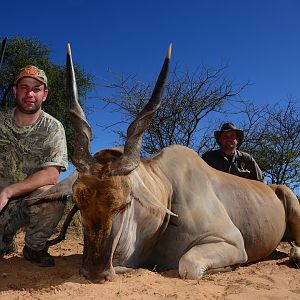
[258,39]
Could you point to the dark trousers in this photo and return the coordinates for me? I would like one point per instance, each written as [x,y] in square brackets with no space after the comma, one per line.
[39,221]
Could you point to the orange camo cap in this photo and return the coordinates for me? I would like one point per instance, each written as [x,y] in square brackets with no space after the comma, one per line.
[33,72]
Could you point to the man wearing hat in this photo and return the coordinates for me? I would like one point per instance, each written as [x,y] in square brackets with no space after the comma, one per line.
[230,160]
[33,152]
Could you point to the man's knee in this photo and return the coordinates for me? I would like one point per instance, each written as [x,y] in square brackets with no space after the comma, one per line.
[51,211]
[41,190]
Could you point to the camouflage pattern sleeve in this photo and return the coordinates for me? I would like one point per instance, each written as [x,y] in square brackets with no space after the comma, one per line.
[26,150]
[55,148]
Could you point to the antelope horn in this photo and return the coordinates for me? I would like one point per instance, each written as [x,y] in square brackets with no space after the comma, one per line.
[3,46]
[82,157]
[131,157]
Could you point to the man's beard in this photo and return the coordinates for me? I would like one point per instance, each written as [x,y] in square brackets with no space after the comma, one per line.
[228,146]
[31,111]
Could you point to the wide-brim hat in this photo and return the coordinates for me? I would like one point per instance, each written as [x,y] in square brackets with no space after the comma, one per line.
[230,127]
[33,72]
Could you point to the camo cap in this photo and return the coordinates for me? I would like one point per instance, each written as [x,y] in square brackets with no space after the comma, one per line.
[33,72]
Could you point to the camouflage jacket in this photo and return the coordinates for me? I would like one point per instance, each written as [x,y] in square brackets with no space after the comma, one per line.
[26,150]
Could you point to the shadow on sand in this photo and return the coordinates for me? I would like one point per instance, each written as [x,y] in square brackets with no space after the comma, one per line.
[17,274]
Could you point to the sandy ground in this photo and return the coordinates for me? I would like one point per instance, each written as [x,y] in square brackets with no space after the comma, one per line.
[273,278]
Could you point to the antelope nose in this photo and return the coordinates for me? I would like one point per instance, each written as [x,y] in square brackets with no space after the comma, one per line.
[107,275]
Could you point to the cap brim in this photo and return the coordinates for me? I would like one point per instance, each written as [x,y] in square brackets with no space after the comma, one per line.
[28,76]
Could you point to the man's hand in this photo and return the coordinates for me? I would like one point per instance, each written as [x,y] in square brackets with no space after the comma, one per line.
[46,176]
[4,198]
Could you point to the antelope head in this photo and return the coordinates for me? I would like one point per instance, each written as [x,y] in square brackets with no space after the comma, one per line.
[103,189]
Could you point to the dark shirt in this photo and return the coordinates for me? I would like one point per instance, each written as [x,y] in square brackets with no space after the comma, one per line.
[240,164]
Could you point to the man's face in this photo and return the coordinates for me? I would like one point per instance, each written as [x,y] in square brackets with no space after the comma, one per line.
[228,140]
[30,94]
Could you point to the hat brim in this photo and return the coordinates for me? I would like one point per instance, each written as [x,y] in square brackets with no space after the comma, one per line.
[239,133]
[30,76]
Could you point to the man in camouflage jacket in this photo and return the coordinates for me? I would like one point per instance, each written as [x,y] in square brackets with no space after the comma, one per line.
[33,152]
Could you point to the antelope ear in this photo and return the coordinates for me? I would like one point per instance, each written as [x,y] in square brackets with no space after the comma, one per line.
[131,157]
[144,194]
[82,157]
